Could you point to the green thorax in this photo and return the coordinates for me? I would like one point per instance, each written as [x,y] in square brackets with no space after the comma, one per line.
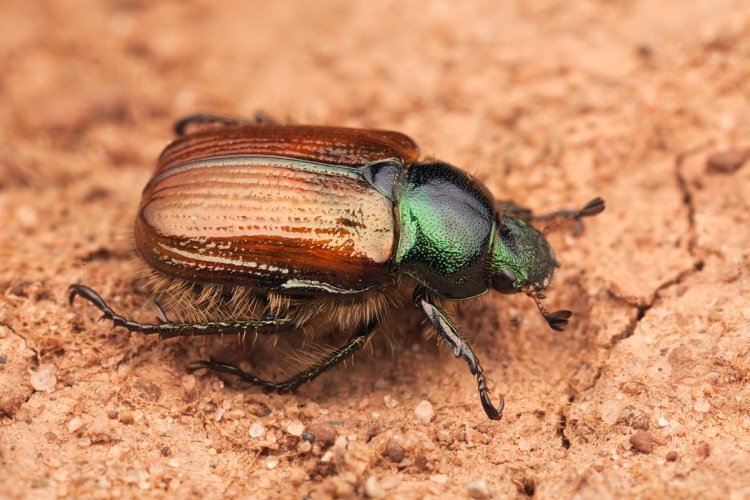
[446,222]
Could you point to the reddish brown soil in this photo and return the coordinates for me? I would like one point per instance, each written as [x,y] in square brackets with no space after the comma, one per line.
[550,102]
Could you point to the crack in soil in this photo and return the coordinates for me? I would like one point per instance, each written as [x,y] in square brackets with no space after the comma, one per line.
[12,414]
[25,340]
[642,310]
[561,426]
[687,200]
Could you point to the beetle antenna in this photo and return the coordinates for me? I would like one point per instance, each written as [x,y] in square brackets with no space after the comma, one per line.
[593,207]
[557,320]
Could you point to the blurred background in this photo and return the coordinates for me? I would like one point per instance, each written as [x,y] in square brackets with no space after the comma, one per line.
[549,102]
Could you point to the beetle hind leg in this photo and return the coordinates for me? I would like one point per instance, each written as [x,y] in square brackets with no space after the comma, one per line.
[354,344]
[167,329]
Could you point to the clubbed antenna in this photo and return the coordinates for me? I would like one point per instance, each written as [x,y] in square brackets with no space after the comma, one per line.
[593,207]
[557,320]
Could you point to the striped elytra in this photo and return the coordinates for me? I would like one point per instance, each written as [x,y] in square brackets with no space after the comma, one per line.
[273,208]
[332,145]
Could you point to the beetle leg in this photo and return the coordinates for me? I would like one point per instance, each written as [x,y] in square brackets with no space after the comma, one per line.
[508,208]
[168,329]
[591,208]
[260,118]
[449,332]
[354,344]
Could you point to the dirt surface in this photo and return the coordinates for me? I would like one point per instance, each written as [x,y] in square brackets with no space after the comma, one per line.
[549,102]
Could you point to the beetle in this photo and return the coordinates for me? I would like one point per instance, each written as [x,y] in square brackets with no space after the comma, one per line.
[262,227]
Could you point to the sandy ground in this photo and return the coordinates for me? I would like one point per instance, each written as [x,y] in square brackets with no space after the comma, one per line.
[549,102]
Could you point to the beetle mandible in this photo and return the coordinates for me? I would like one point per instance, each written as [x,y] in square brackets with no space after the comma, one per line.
[286,219]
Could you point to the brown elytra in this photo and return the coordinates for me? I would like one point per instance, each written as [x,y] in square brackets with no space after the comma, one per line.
[233,205]
[332,145]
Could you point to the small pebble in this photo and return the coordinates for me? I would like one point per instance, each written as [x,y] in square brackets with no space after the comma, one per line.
[43,380]
[297,477]
[219,414]
[702,406]
[272,462]
[74,424]
[3,359]
[672,456]
[373,489]
[304,446]
[256,430]
[525,444]
[61,475]
[173,463]
[295,428]
[439,478]
[394,451]
[126,417]
[390,482]
[389,401]
[341,441]
[726,162]
[324,434]
[188,385]
[165,452]
[704,450]
[425,412]
[642,441]
[478,489]
[611,410]
[27,217]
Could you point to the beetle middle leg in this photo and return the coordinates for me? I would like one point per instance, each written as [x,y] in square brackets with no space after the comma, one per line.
[260,118]
[168,329]
[591,208]
[354,344]
[449,332]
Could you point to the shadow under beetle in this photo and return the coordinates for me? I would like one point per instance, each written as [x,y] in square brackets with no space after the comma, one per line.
[277,224]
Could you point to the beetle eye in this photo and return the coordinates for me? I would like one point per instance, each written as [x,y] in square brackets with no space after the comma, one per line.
[503,281]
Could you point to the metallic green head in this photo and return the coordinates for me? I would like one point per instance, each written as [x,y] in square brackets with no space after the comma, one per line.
[522,260]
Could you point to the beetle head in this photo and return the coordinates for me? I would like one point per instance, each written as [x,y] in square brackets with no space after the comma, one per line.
[523,261]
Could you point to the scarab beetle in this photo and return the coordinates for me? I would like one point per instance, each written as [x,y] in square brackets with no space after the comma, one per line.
[265,225]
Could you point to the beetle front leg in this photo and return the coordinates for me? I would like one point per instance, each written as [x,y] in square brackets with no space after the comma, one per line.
[167,329]
[591,208]
[449,332]
[354,344]
[261,118]
[508,208]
